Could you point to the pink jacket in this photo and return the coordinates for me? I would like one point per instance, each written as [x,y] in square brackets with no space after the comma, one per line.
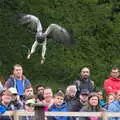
[111,85]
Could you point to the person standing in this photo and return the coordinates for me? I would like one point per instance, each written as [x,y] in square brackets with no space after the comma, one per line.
[112,84]
[84,82]
[18,80]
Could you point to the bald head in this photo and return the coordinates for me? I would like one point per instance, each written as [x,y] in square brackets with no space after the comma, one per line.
[85,72]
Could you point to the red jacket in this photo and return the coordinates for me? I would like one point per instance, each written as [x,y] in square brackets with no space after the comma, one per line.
[111,85]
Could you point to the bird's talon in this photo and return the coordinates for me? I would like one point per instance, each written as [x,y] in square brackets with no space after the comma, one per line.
[42,60]
[28,57]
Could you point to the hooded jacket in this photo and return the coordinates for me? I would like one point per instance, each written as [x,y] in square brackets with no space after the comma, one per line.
[61,108]
[11,82]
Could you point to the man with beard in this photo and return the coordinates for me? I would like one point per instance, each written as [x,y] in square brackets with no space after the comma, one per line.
[84,82]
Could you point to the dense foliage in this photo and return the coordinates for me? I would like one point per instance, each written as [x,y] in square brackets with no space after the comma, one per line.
[94,24]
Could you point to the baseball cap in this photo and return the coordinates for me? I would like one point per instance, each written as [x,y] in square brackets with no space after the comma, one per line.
[13,90]
[84,91]
[30,102]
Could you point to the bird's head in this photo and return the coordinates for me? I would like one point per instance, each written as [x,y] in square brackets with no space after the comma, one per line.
[40,37]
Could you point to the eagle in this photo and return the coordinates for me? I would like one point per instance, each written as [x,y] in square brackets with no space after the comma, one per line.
[53,32]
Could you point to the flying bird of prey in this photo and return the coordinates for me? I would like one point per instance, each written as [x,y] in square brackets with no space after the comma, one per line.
[54,32]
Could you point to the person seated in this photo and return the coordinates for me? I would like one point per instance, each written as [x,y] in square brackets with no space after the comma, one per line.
[5,104]
[115,106]
[70,98]
[58,106]
[40,89]
[102,102]
[83,98]
[92,106]
[16,103]
[29,107]
[28,92]
[48,98]
[40,92]
[1,87]
[109,99]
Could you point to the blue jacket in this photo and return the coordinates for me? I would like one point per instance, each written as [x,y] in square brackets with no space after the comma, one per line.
[4,109]
[102,103]
[61,108]
[114,107]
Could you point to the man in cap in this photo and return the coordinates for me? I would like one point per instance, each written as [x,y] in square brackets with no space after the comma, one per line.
[30,101]
[83,98]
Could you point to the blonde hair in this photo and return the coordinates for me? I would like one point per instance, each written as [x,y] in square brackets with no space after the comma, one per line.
[7,92]
[17,65]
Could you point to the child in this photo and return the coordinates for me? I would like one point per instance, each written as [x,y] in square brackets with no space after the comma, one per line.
[58,106]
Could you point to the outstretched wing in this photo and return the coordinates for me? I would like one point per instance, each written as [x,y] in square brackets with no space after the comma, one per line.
[58,34]
[31,21]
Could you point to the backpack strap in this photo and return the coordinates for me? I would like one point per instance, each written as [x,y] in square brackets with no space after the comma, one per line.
[90,85]
[14,84]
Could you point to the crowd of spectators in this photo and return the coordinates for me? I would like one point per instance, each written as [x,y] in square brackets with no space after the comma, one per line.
[18,94]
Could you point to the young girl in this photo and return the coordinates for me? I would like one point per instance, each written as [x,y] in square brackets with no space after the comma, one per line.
[109,99]
[93,106]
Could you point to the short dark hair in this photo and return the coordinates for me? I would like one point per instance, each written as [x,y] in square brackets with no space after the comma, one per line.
[39,86]
[115,68]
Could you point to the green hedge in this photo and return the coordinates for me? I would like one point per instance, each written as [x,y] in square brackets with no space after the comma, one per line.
[95,25]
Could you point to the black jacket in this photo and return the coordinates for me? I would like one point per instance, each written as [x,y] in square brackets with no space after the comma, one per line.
[84,84]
